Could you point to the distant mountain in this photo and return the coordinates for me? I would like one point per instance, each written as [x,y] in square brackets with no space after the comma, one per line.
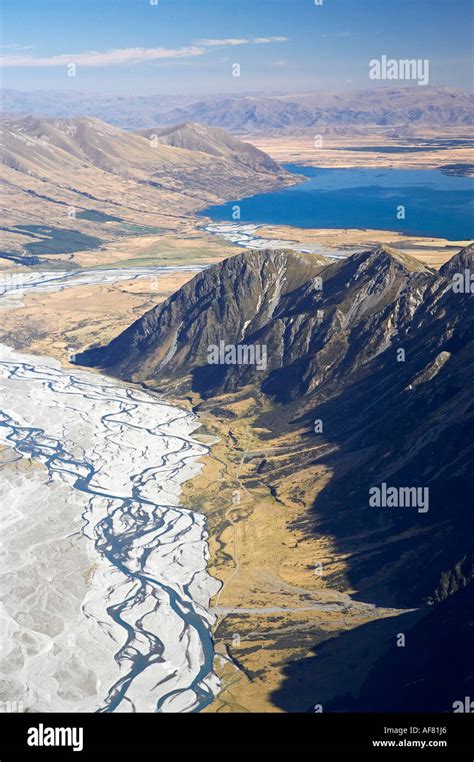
[52,146]
[379,348]
[382,107]
[130,112]
[106,174]
[213,141]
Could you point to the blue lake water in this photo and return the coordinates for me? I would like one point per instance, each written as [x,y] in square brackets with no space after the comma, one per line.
[435,204]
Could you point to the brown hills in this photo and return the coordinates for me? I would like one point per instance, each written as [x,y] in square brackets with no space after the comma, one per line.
[64,178]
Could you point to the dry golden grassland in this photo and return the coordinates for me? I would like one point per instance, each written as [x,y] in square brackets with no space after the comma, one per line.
[332,150]
[274,604]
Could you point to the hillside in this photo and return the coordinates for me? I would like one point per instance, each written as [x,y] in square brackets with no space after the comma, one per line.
[213,141]
[331,354]
[64,178]
[231,300]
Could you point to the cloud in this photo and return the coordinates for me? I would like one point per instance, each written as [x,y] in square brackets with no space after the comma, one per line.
[239,41]
[219,43]
[125,56]
[265,40]
[16,47]
[119,57]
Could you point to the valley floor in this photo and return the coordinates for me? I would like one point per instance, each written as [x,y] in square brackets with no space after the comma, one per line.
[274,609]
[424,149]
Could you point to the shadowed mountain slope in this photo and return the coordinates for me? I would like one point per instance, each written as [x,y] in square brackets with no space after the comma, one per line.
[432,672]
[379,348]
[231,300]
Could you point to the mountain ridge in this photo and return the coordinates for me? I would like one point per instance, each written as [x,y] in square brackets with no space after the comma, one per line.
[210,140]
[352,343]
[384,106]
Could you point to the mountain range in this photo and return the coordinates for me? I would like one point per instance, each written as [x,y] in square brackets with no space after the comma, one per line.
[383,107]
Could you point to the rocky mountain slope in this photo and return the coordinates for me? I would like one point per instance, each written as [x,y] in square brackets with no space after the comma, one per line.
[378,348]
[230,301]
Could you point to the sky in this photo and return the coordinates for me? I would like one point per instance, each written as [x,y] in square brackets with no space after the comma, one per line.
[140,47]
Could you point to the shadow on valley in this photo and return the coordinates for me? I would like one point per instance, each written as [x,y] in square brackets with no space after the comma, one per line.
[48,241]
[397,556]
[333,355]
[404,424]
[364,670]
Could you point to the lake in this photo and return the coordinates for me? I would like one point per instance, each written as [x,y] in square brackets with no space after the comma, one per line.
[435,204]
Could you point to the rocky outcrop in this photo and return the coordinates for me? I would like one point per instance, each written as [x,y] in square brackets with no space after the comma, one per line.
[230,301]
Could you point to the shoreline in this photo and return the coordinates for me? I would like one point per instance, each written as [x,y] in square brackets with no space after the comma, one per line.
[376,150]
[333,242]
[224,226]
